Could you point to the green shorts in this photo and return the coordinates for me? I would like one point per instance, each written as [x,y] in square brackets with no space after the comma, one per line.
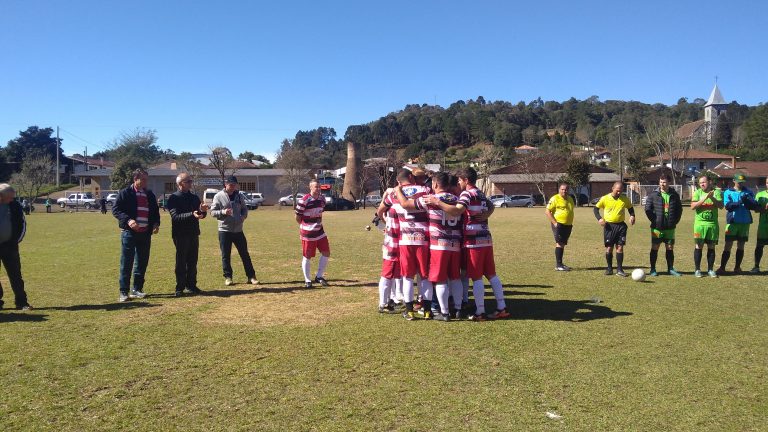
[705,233]
[762,233]
[663,236]
[737,231]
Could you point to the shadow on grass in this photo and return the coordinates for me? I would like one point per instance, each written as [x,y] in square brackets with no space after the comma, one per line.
[109,307]
[627,267]
[557,310]
[521,293]
[14,316]
[275,290]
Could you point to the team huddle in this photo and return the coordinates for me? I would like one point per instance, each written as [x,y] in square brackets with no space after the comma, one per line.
[439,236]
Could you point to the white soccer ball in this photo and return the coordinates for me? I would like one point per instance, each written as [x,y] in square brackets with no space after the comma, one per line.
[367,227]
[638,275]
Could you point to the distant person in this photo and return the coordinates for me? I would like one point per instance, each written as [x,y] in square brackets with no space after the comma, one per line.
[13,227]
[309,216]
[559,211]
[229,208]
[614,228]
[25,206]
[664,209]
[103,205]
[762,226]
[186,211]
[738,201]
[138,216]
[48,205]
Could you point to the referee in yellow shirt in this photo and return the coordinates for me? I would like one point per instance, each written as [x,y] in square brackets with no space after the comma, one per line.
[559,211]
[614,228]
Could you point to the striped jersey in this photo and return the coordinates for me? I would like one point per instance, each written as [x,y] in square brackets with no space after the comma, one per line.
[391,244]
[414,224]
[142,210]
[476,232]
[444,230]
[311,212]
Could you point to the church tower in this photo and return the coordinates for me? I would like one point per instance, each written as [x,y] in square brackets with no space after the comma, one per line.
[712,110]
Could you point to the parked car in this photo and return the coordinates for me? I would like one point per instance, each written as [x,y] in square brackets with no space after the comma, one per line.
[111,199]
[257,197]
[250,201]
[370,200]
[78,200]
[514,201]
[339,203]
[495,197]
[286,200]
[580,200]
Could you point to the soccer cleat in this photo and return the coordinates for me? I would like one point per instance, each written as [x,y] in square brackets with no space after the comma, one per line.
[253,281]
[228,281]
[442,317]
[712,273]
[620,272]
[307,285]
[409,315]
[123,297]
[479,317]
[673,272]
[737,270]
[26,307]
[500,314]
[457,315]
[563,267]
[428,315]
[653,272]
[321,280]
[178,294]
[136,294]
[755,270]
[386,309]
[608,271]
[698,274]
[195,291]
[720,271]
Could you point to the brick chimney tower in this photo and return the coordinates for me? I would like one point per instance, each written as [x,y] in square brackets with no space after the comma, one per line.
[351,178]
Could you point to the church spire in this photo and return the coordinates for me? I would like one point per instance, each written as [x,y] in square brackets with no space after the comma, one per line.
[715,98]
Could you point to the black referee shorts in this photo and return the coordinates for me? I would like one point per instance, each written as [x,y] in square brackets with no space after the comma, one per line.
[562,233]
[615,234]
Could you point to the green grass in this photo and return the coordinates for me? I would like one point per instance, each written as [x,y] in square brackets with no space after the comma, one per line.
[669,354]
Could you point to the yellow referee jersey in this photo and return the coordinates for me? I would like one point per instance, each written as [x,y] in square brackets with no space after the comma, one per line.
[561,209]
[613,208]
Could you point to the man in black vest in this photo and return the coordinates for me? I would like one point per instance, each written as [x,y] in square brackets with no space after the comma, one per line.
[13,226]
[186,211]
[664,209]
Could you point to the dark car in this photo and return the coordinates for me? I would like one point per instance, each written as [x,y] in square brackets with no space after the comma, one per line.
[339,203]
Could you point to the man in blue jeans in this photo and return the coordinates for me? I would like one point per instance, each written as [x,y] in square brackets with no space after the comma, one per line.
[139,217]
[229,208]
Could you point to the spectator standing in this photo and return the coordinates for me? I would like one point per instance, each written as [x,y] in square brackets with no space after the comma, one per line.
[13,227]
[738,201]
[229,208]
[186,211]
[138,217]
[664,209]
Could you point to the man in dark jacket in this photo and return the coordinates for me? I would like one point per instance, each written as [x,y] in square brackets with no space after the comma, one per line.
[186,211]
[13,227]
[664,209]
[138,216]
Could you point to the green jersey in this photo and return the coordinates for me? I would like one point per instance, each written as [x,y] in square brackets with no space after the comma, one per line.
[762,199]
[706,213]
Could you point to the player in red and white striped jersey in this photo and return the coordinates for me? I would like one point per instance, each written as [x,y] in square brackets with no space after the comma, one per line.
[309,216]
[478,243]
[390,265]
[414,240]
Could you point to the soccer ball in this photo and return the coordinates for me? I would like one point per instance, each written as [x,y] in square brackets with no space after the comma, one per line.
[367,227]
[638,275]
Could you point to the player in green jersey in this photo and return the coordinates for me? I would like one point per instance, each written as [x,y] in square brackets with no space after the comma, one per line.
[706,228]
[762,226]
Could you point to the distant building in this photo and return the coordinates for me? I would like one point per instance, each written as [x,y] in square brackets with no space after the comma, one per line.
[705,129]
[693,160]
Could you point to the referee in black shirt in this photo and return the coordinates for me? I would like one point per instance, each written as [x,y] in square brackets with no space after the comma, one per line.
[186,211]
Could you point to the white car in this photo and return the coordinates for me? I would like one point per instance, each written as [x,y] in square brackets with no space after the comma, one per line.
[111,199]
[256,197]
[286,200]
[370,200]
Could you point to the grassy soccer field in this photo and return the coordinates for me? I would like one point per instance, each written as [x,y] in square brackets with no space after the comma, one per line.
[602,352]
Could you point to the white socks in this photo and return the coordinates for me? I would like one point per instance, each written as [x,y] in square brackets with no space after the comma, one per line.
[321,266]
[426,289]
[498,292]
[457,292]
[478,289]
[407,290]
[305,269]
[385,287]
[442,295]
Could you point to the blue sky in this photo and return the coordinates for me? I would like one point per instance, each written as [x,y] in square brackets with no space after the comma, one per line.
[246,74]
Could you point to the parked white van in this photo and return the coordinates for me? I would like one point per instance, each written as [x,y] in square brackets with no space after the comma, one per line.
[208,195]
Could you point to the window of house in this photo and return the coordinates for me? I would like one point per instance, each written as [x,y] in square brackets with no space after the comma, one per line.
[169,187]
[248,186]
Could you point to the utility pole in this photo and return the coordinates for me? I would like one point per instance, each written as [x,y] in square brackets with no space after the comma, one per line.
[621,164]
[58,150]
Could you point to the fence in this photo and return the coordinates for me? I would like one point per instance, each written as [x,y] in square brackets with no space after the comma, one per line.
[637,193]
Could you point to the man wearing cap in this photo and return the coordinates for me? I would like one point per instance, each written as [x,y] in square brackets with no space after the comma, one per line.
[186,211]
[229,208]
[738,202]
